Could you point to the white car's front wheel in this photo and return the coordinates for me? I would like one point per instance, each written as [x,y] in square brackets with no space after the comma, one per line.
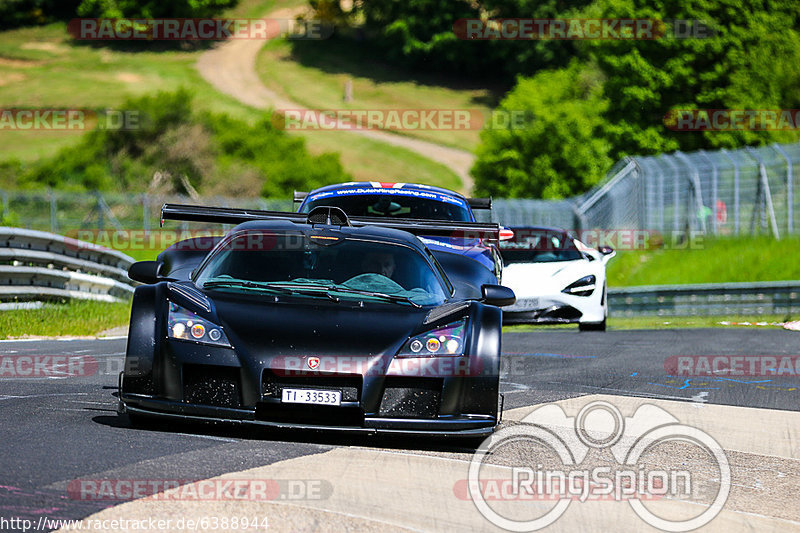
[597,326]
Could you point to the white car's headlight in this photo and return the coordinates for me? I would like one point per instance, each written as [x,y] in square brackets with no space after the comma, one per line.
[440,342]
[583,287]
[186,325]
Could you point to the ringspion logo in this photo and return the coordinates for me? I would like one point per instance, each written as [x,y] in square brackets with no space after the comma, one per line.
[633,479]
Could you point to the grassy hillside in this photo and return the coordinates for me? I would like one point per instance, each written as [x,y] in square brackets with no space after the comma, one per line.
[715,261]
[315,76]
[43,67]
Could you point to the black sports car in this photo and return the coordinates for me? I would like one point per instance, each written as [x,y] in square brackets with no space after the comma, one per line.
[312,321]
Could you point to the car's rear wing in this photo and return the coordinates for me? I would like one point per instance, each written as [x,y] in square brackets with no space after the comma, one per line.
[474,203]
[480,203]
[229,215]
[298,197]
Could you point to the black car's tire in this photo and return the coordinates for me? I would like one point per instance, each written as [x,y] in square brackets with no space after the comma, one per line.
[592,326]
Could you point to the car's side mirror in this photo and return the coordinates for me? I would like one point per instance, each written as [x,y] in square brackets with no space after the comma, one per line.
[498,295]
[145,272]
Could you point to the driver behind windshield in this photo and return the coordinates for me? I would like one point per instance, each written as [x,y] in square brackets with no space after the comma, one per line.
[382,263]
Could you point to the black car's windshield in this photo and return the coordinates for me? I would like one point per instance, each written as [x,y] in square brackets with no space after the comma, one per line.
[384,205]
[539,247]
[321,266]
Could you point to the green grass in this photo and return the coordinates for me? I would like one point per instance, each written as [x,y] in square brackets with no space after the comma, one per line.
[43,67]
[723,260]
[369,160]
[660,322]
[314,76]
[73,318]
[82,318]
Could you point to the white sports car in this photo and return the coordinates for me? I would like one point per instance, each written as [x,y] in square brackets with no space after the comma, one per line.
[557,279]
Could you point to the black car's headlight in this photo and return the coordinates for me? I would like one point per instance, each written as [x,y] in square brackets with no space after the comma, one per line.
[583,287]
[444,341]
[186,325]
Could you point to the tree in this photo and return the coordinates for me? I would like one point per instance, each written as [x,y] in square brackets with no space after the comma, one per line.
[561,149]
[153,8]
[748,61]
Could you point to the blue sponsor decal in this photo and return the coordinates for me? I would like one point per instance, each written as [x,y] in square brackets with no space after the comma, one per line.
[414,193]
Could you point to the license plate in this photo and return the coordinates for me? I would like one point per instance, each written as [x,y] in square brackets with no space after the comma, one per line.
[321,397]
[527,303]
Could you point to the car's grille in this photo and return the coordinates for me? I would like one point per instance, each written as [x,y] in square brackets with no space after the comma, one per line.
[320,415]
[411,398]
[349,385]
[564,312]
[212,385]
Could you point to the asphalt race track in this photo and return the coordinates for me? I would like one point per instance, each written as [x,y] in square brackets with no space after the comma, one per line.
[57,430]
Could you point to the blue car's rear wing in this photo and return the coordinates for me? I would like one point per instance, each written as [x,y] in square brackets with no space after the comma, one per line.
[228,215]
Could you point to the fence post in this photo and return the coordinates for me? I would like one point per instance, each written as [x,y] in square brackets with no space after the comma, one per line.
[53,211]
[713,190]
[5,205]
[145,213]
[764,189]
[698,193]
[676,224]
[735,190]
[789,188]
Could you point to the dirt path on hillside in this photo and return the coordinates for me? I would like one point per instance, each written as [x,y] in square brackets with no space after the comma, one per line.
[231,69]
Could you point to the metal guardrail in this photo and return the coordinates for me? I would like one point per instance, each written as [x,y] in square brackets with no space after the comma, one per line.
[711,299]
[35,266]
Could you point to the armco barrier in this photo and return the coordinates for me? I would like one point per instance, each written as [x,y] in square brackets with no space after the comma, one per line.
[760,298]
[35,265]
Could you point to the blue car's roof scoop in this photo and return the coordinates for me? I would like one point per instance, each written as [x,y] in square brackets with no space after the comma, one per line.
[328,216]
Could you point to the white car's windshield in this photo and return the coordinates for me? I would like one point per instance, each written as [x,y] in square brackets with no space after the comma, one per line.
[539,247]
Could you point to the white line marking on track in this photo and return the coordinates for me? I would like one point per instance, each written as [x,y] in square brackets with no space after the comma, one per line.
[14,397]
[209,437]
[91,339]
[700,397]
[350,515]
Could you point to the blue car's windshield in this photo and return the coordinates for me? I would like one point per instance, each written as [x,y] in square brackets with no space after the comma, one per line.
[384,205]
[321,266]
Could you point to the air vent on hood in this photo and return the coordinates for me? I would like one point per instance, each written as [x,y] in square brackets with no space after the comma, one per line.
[191,294]
[437,313]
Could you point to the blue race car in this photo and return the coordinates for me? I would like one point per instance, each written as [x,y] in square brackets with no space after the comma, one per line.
[469,260]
